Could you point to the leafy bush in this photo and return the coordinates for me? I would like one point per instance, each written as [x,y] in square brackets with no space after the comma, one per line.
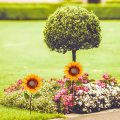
[42,11]
[43,103]
[72,28]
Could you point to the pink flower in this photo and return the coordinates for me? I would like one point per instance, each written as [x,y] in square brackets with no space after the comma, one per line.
[106,76]
[70,105]
[67,100]
[63,91]
[56,98]
[101,84]
[85,89]
[80,78]
[66,103]
[83,79]
[70,97]
[60,94]
[19,82]
[78,88]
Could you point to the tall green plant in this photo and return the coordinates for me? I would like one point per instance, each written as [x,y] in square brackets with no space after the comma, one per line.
[72,28]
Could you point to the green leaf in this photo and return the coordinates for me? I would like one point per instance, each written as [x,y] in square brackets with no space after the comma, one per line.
[26,95]
[68,84]
[78,83]
[37,95]
[92,80]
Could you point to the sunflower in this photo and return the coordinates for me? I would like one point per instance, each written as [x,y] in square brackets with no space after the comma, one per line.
[32,83]
[73,70]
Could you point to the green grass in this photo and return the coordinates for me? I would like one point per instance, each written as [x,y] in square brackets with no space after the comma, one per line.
[23,51]
[18,114]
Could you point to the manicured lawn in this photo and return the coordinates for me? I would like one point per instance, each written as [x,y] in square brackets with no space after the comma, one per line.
[18,114]
[23,51]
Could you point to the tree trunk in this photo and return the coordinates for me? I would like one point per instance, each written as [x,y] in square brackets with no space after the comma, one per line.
[73,59]
[74,55]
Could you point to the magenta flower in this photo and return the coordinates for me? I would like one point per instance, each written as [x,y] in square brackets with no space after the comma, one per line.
[60,94]
[67,101]
[106,76]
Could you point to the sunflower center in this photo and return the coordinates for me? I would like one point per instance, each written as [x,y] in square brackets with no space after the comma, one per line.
[74,71]
[32,83]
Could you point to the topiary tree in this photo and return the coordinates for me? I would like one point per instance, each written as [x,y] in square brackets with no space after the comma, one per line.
[71,28]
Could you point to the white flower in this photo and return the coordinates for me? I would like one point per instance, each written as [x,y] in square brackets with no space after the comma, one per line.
[80,103]
[87,104]
[117,88]
[114,92]
[80,92]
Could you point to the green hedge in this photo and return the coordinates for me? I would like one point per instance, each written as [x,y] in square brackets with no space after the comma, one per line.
[42,11]
[26,11]
[111,11]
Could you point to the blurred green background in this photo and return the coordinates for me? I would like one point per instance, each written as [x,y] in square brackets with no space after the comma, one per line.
[22,47]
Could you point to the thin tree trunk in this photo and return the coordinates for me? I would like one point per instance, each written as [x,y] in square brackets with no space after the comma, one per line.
[73,59]
[74,55]
[73,92]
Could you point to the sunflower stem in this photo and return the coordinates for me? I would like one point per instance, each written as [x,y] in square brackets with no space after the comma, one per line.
[30,103]
[74,55]
[73,92]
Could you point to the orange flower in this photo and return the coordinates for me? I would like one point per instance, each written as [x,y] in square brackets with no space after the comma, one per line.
[73,70]
[32,83]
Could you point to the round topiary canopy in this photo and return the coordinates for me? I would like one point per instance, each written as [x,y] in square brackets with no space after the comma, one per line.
[71,28]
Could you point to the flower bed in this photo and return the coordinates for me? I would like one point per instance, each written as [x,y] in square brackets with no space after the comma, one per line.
[87,96]
[84,96]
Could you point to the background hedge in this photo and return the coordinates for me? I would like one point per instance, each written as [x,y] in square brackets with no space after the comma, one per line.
[42,11]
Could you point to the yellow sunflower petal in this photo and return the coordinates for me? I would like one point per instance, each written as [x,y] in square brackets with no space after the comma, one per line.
[35,78]
[76,65]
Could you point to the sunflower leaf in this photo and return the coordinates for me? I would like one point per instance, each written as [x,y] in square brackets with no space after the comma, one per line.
[37,95]
[78,83]
[68,83]
[92,80]
[26,95]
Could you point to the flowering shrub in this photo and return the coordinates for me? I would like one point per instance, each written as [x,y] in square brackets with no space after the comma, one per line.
[43,103]
[84,96]
[87,95]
